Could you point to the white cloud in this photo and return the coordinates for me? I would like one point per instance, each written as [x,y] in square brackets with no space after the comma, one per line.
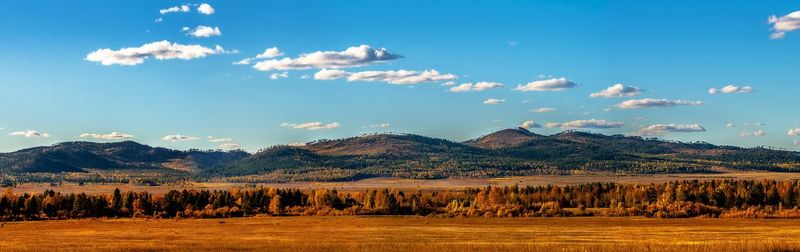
[212,139]
[618,90]
[230,146]
[311,125]
[584,124]
[175,9]
[176,138]
[556,84]
[393,77]
[730,125]
[449,83]
[493,101]
[659,129]
[109,136]
[276,76]
[529,124]
[351,57]
[794,132]
[205,9]
[380,125]
[330,74]
[243,62]
[655,103]
[480,86]
[161,50]
[159,20]
[543,110]
[757,133]
[731,89]
[784,24]
[205,31]
[29,134]
[269,53]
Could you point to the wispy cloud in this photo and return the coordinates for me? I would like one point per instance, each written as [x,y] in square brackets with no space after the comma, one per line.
[757,133]
[586,124]
[109,136]
[480,86]
[275,76]
[655,103]
[731,89]
[493,101]
[178,137]
[30,134]
[399,77]
[351,57]
[543,110]
[175,9]
[782,25]
[161,50]
[556,84]
[660,129]
[380,125]
[311,125]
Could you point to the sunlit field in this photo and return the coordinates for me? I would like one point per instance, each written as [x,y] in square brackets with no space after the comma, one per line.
[404,234]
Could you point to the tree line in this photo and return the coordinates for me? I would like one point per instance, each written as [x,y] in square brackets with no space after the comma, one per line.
[678,199]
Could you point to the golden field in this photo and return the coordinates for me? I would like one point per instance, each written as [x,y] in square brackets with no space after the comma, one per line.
[414,184]
[403,234]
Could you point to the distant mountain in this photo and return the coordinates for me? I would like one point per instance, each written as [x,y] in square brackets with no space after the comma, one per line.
[127,155]
[503,153]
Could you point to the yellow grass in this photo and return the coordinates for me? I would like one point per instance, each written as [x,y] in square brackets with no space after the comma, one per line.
[413,184]
[404,234]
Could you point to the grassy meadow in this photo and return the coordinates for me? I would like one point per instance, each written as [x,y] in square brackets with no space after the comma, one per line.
[403,234]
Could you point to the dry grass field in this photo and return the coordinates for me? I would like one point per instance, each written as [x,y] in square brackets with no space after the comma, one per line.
[404,234]
[413,184]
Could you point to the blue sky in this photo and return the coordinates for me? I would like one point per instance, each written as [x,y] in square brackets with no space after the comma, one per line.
[57,83]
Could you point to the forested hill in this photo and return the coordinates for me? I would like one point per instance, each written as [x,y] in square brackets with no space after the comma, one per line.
[127,155]
[503,153]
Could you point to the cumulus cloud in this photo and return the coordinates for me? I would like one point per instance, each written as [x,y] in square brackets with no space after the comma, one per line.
[351,57]
[202,31]
[794,132]
[731,89]
[529,124]
[493,101]
[587,124]
[205,9]
[175,9]
[269,53]
[109,136]
[556,84]
[276,76]
[655,103]
[730,125]
[543,110]
[757,133]
[618,90]
[399,77]
[311,125]
[161,50]
[480,86]
[29,134]
[782,25]
[660,129]
[176,138]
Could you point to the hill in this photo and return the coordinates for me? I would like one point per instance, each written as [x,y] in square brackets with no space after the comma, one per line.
[127,155]
[503,153]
